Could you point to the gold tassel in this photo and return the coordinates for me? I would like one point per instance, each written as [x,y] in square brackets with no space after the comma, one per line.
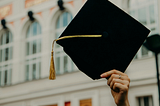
[52,75]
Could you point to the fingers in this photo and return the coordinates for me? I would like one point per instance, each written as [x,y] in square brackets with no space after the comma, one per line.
[109,73]
[119,81]
[115,81]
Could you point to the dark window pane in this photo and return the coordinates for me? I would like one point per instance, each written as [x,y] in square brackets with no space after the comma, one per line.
[39,46]
[39,69]
[5,77]
[27,51]
[0,55]
[58,23]
[10,52]
[139,101]
[146,101]
[34,47]
[28,32]
[65,63]
[27,72]
[0,77]
[6,54]
[10,76]
[1,40]
[58,65]
[10,37]
[34,71]
[7,37]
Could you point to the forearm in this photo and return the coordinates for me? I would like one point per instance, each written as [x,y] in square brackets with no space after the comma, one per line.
[126,103]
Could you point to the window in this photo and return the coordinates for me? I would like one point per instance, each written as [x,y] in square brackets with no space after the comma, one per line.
[67,104]
[145,12]
[33,52]
[145,101]
[86,102]
[5,57]
[62,61]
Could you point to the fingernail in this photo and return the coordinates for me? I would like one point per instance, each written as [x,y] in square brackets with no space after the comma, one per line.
[102,75]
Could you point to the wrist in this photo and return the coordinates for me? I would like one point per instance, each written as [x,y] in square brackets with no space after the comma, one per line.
[126,103]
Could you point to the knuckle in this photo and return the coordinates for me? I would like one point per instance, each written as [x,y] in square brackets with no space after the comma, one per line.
[114,80]
[125,88]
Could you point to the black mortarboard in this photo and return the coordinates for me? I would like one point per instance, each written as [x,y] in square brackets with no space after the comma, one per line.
[102,37]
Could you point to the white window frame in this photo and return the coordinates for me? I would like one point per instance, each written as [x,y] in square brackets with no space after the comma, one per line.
[59,53]
[35,58]
[6,65]
[142,100]
[135,5]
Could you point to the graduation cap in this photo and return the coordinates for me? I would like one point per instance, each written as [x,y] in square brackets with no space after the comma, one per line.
[101,37]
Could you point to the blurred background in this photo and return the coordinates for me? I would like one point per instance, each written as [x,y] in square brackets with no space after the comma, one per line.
[27,30]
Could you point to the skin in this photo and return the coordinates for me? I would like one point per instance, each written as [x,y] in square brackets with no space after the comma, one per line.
[119,86]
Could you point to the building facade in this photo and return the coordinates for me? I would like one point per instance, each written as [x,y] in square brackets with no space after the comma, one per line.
[25,49]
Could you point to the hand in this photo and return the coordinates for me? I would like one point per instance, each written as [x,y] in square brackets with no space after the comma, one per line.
[119,84]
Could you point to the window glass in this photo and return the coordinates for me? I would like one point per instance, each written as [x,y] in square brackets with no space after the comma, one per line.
[39,46]
[7,37]
[139,101]
[58,24]
[146,101]
[65,63]
[10,53]
[151,14]
[28,32]
[34,28]
[67,104]
[34,71]
[34,46]
[39,69]
[6,54]
[27,51]
[5,77]
[65,19]
[1,40]
[0,77]
[1,55]
[27,72]
[58,65]
[86,102]
[142,16]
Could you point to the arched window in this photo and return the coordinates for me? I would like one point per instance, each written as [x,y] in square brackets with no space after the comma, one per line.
[33,51]
[62,62]
[145,12]
[6,51]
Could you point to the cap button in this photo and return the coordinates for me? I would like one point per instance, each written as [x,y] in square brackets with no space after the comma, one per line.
[105,34]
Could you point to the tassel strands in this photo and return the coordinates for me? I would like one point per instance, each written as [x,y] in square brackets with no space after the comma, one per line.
[52,75]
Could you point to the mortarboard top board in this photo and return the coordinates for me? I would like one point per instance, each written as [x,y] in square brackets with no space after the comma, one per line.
[102,37]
